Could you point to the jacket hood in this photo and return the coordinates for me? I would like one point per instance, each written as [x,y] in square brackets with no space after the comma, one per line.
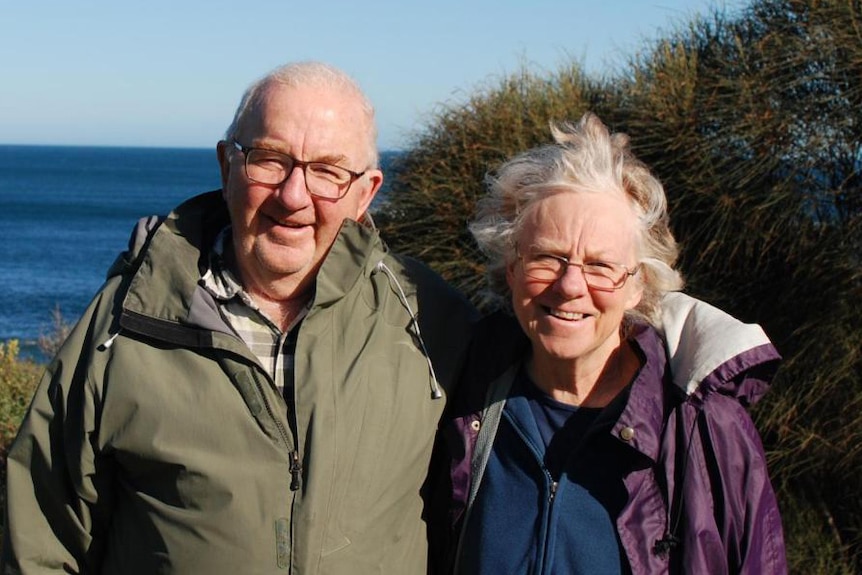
[166,292]
[710,350]
[356,243]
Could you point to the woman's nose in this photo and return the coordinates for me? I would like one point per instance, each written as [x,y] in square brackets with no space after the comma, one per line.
[572,282]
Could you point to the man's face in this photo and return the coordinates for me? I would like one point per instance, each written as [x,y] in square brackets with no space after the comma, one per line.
[281,233]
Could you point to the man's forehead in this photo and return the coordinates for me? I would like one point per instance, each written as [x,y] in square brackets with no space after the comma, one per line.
[312,96]
[307,119]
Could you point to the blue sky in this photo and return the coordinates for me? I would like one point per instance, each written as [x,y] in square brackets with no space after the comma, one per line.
[170,72]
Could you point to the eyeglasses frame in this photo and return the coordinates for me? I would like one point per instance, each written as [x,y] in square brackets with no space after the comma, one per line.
[565,260]
[296,163]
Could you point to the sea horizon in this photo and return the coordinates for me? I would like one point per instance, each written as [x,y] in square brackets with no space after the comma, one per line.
[66,212]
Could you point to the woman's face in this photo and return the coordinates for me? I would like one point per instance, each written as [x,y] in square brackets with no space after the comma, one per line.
[567,320]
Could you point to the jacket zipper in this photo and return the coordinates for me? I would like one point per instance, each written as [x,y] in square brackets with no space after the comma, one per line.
[552,494]
[553,487]
[295,465]
[295,471]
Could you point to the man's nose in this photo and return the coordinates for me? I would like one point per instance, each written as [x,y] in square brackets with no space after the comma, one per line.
[293,192]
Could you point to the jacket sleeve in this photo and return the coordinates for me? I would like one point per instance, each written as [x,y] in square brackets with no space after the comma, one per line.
[724,366]
[730,477]
[58,486]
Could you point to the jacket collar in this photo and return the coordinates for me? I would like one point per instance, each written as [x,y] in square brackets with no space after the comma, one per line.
[166,267]
[354,255]
[642,416]
[707,344]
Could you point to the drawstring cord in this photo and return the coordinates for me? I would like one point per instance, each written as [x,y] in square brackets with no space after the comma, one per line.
[436,393]
[106,345]
[669,540]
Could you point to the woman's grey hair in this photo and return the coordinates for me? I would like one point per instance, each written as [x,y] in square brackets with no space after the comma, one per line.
[311,74]
[586,158]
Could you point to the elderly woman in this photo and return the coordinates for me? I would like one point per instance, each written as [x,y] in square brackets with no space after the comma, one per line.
[605,430]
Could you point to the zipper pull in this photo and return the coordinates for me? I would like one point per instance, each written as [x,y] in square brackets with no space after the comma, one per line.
[295,471]
[554,485]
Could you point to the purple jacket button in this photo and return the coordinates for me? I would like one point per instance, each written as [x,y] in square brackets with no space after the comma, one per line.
[627,433]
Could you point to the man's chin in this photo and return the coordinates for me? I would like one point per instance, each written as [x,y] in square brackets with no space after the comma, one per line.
[278,260]
[287,267]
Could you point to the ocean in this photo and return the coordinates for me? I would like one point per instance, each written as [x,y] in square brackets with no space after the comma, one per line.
[66,213]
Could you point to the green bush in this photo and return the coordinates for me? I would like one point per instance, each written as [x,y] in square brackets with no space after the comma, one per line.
[18,379]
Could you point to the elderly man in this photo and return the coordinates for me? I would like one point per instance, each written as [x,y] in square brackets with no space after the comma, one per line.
[257,386]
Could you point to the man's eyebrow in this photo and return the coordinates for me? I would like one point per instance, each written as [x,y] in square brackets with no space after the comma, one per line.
[279,146]
[268,146]
[333,159]
[325,158]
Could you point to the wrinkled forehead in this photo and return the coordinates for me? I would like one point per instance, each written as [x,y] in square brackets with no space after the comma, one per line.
[571,219]
[317,115]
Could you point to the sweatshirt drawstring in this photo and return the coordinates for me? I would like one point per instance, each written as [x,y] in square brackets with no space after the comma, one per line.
[436,393]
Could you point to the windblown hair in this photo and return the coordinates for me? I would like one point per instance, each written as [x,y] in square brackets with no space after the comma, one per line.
[586,158]
[311,74]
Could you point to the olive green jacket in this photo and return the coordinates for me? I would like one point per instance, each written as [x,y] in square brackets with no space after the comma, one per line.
[156,443]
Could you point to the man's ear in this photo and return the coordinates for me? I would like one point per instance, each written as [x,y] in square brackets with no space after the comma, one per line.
[222,151]
[374,179]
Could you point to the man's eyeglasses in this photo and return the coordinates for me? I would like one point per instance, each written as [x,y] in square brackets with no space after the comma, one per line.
[274,168]
[602,276]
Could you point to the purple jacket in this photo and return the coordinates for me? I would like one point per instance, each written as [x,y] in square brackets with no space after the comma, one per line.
[704,504]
